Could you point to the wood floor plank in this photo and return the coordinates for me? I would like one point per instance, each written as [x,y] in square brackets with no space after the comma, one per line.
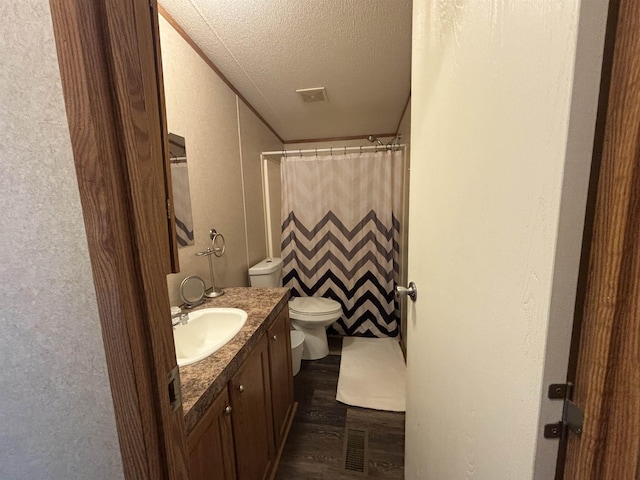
[314,449]
[390,422]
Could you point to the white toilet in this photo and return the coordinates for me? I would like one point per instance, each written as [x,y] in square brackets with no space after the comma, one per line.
[310,315]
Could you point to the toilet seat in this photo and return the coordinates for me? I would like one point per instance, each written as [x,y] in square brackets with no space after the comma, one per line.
[312,316]
[314,308]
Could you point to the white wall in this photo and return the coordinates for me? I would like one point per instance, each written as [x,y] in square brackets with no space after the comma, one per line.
[223,141]
[56,411]
[255,139]
[492,104]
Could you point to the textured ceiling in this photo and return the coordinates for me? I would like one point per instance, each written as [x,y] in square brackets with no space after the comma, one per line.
[359,50]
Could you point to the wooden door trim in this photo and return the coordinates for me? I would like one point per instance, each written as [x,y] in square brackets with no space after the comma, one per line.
[596,162]
[587,237]
[116,142]
[607,312]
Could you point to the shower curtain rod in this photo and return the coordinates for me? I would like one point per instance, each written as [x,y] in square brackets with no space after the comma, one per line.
[336,150]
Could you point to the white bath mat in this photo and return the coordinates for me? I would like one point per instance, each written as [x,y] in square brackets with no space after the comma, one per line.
[372,374]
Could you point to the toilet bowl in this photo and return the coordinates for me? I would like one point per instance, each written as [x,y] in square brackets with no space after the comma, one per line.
[310,315]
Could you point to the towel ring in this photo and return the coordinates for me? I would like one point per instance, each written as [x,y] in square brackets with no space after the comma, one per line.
[218,247]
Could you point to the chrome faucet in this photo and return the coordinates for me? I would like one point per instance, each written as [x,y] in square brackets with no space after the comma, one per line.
[179,318]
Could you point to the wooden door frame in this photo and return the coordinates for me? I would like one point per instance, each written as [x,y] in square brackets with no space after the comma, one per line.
[113,100]
[606,323]
[101,54]
[598,144]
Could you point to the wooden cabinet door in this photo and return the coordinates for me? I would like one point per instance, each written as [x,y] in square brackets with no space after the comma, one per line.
[281,373]
[252,421]
[211,443]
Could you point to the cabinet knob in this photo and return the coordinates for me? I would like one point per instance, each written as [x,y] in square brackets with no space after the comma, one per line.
[241,388]
[227,410]
[275,338]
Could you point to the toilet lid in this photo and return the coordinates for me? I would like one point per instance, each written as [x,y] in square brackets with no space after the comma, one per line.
[314,305]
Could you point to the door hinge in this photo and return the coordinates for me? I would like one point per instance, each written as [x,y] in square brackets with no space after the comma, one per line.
[168,209]
[572,416]
[175,392]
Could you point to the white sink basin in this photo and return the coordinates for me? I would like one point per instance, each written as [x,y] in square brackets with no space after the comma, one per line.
[207,331]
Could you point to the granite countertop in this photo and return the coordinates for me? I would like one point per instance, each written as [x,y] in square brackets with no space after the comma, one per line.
[202,381]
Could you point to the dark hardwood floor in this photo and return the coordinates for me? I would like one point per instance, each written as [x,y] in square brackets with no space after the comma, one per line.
[315,447]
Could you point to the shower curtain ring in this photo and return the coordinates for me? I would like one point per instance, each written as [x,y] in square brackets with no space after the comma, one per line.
[360,149]
[316,153]
[345,149]
[284,153]
[300,151]
[331,151]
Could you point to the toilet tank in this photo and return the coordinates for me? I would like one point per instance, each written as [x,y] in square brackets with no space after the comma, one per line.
[267,273]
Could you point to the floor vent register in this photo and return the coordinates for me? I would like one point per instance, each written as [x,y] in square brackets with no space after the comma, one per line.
[356,445]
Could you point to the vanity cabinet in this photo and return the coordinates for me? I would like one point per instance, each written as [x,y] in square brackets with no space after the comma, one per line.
[243,432]
[281,374]
[211,443]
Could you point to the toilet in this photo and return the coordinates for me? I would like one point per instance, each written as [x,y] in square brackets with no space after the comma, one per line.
[310,315]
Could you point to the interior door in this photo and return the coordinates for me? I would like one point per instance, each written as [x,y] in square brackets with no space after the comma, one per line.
[607,384]
[489,153]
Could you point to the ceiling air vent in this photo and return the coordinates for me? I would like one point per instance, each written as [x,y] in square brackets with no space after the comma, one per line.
[311,95]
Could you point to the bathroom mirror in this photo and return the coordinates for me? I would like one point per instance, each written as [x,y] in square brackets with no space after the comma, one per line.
[181,193]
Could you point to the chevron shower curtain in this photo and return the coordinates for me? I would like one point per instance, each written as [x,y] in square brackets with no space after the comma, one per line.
[340,235]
